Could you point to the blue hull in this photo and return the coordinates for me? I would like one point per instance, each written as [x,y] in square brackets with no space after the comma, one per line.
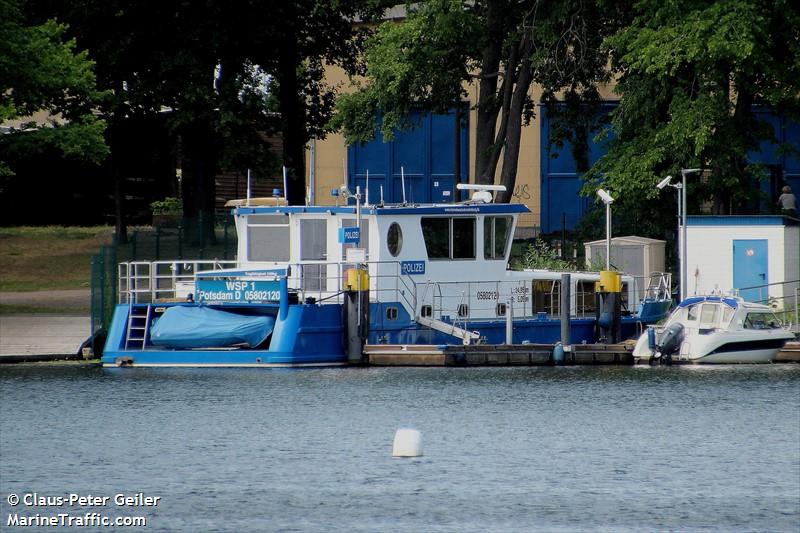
[312,335]
[308,335]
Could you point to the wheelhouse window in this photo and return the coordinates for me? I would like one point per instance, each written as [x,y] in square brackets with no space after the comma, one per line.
[363,240]
[463,238]
[268,238]
[585,298]
[313,239]
[547,296]
[496,232]
[449,238]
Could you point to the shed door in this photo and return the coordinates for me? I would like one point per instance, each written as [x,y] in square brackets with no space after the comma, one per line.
[750,268]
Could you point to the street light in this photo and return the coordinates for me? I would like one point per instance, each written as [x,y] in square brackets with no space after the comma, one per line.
[684,276]
[608,200]
[681,187]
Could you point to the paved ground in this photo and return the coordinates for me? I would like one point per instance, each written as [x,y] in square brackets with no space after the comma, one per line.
[73,298]
[44,336]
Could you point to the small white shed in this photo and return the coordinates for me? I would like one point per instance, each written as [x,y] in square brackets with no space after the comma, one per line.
[637,256]
[757,255]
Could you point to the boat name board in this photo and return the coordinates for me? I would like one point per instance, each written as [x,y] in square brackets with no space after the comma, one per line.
[221,291]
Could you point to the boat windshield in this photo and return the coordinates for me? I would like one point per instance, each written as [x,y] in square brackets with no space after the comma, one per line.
[761,320]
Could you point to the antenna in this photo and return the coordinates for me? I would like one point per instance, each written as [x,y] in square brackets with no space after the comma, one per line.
[403,183]
[285,190]
[366,199]
[381,195]
[248,187]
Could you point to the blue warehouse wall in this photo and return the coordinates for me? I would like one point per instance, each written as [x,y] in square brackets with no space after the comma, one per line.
[425,154]
[561,183]
[783,166]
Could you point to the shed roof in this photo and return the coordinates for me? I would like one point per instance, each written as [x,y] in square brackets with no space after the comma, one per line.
[630,239]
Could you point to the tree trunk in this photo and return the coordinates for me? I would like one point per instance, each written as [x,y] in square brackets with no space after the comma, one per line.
[293,119]
[121,226]
[488,105]
[120,222]
[508,174]
[199,181]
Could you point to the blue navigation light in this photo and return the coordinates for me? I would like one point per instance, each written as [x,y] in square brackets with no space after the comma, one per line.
[276,192]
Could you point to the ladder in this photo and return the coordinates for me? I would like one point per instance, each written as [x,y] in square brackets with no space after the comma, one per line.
[449,329]
[138,327]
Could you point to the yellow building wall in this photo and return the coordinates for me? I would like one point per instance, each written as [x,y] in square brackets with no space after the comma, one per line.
[330,155]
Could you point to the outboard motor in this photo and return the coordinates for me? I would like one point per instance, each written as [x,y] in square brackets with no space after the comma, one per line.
[670,343]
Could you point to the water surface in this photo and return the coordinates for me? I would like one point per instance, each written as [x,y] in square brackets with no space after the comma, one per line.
[506,449]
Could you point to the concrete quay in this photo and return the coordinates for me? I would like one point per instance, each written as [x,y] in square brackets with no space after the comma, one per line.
[32,334]
[41,337]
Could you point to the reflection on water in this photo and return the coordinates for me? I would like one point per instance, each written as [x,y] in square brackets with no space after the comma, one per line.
[506,449]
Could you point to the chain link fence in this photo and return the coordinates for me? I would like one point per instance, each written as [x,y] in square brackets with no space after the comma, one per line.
[205,237]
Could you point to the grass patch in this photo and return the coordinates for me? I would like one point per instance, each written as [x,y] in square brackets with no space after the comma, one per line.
[49,257]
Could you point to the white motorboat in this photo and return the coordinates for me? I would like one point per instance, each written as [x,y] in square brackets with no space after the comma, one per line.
[714,329]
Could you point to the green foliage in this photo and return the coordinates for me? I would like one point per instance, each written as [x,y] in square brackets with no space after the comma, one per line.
[41,71]
[690,73]
[540,255]
[429,59]
[167,206]
[420,62]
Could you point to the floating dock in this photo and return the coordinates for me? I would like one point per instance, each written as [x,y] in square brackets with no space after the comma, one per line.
[789,354]
[495,355]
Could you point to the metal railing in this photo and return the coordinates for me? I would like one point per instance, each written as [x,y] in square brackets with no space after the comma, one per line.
[151,281]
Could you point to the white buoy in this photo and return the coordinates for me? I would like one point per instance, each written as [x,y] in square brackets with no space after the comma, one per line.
[407,443]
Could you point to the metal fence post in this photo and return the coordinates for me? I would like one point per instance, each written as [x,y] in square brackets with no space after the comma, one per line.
[797,306]
[180,241]
[158,243]
[225,238]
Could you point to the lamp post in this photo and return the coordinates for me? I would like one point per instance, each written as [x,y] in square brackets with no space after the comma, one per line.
[608,200]
[681,187]
[684,274]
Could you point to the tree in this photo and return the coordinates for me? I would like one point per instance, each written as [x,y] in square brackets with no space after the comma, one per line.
[40,71]
[505,47]
[691,74]
[294,41]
